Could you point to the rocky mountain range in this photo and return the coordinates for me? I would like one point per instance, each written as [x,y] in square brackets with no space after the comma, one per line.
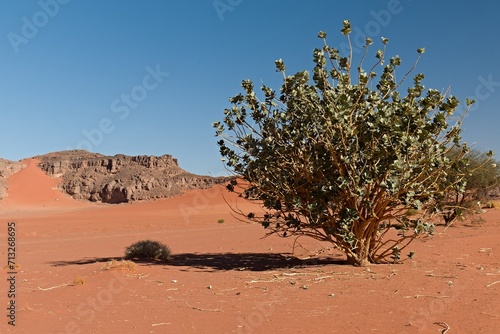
[117,179]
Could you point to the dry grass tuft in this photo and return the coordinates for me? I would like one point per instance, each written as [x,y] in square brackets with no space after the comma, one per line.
[78,281]
[120,265]
[493,204]
[7,267]
[27,307]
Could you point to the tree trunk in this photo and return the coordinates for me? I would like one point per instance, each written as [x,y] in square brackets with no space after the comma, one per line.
[359,256]
[358,261]
[449,218]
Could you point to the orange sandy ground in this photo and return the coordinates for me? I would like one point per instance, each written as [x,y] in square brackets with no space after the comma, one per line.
[224,277]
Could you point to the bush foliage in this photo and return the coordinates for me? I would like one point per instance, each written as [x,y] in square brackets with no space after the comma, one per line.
[463,200]
[148,250]
[341,154]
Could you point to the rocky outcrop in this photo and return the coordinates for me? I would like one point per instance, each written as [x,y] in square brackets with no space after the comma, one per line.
[120,178]
[7,168]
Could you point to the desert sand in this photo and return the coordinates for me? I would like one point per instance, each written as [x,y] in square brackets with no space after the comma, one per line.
[225,277]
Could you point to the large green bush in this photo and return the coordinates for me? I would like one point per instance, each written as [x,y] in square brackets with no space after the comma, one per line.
[342,153]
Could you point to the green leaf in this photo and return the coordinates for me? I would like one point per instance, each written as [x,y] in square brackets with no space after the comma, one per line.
[346,30]
[280,66]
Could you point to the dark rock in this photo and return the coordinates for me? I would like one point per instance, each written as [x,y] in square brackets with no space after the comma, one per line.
[121,178]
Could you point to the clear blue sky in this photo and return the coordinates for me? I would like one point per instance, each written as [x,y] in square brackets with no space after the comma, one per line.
[77,74]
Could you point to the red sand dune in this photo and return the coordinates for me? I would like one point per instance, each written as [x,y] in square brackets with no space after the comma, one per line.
[224,278]
[32,188]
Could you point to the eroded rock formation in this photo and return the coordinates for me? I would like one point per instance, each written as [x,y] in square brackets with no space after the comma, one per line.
[120,178]
[7,168]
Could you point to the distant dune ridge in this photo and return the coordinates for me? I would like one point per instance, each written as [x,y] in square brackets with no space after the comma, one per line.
[114,179]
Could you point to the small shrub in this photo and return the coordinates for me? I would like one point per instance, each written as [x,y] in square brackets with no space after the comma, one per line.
[148,249]
[220,221]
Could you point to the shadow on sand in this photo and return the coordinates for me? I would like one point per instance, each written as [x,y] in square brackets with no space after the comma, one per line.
[86,260]
[221,261]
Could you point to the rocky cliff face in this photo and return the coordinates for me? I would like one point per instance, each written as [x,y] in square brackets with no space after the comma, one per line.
[120,178]
[7,168]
